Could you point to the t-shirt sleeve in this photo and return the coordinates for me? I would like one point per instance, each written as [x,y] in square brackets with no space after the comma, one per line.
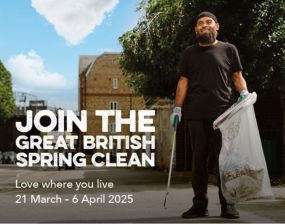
[184,64]
[236,64]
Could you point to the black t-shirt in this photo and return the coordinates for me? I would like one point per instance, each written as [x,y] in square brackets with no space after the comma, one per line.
[209,70]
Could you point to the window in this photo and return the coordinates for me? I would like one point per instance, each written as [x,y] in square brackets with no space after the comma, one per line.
[112,127]
[113,105]
[115,83]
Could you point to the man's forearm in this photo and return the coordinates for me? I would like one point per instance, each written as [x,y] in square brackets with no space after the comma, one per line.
[239,82]
[181,91]
[241,85]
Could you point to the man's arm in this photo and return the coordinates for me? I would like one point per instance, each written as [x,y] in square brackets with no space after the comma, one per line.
[239,81]
[181,91]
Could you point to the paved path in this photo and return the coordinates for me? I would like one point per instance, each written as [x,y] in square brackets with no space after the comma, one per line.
[148,190]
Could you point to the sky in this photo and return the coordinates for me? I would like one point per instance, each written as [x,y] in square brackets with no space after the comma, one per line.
[41,41]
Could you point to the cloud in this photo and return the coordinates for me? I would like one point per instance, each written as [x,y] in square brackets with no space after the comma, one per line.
[29,72]
[30,75]
[74,19]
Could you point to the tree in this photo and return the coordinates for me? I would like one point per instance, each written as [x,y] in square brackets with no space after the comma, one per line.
[7,102]
[150,50]
[270,25]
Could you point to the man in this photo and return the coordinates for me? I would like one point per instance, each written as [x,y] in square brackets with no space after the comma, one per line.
[208,71]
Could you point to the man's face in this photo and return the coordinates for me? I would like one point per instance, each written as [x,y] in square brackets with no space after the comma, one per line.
[206,30]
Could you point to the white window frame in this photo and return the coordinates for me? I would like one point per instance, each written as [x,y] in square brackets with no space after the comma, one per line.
[115,83]
[113,105]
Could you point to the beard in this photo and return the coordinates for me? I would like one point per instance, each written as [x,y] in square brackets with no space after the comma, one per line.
[206,38]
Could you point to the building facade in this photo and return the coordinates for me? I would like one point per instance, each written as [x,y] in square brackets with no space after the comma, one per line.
[102,87]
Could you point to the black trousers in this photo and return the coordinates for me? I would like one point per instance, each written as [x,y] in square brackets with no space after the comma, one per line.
[205,141]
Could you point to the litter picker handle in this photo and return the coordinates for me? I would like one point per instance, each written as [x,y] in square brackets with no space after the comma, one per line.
[175,123]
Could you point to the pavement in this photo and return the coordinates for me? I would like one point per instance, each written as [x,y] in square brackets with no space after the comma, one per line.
[137,196]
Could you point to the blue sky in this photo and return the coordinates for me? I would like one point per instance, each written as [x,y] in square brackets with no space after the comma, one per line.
[41,41]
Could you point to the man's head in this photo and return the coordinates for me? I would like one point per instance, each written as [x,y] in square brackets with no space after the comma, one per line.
[206,28]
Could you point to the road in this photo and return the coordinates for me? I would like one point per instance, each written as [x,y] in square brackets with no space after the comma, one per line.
[137,196]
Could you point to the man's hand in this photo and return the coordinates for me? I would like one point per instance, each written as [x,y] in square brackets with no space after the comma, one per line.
[243,94]
[175,117]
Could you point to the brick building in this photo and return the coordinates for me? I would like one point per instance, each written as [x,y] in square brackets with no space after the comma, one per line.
[102,87]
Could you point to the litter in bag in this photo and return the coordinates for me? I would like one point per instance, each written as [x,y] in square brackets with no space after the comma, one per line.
[242,166]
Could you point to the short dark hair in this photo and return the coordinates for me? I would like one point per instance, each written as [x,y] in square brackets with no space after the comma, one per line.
[206,14]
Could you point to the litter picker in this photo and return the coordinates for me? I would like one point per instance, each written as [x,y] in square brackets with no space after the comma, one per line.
[171,158]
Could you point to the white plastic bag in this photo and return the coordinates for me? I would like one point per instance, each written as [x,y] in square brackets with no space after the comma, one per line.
[242,165]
